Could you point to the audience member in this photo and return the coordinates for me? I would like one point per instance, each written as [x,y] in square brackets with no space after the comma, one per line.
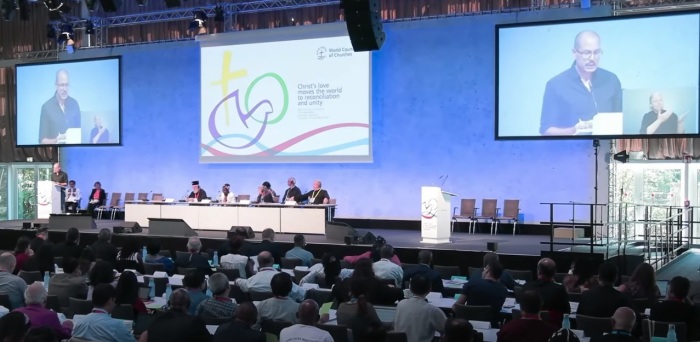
[529,327]
[101,273]
[325,273]
[373,255]
[622,323]
[130,257]
[268,245]
[176,324]
[22,253]
[458,330]
[581,276]
[603,300]
[246,248]
[298,252]
[416,317]
[13,327]
[98,325]
[246,315]
[280,307]
[555,299]
[153,256]
[41,334]
[385,269]
[506,278]
[357,314]
[103,248]
[40,238]
[42,261]
[235,260]
[425,259]
[195,285]
[642,284]
[486,291]
[676,307]
[11,284]
[194,259]
[260,282]
[128,293]
[379,293]
[70,283]
[220,306]
[87,260]
[305,330]
[70,248]
[35,296]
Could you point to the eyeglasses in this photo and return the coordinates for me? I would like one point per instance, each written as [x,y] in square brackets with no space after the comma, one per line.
[63,85]
[589,53]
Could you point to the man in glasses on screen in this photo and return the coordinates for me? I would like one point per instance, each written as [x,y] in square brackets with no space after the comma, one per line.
[59,113]
[573,97]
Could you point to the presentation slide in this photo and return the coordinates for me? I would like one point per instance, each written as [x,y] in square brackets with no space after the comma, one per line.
[69,103]
[619,77]
[286,101]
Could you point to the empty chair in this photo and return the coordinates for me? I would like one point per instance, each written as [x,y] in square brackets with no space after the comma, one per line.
[143,196]
[315,261]
[467,212]
[475,272]
[320,296]
[79,306]
[30,277]
[298,274]
[511,213]
[243,198]
[160,283]
[290,263]
[446,272]
[151,268]
[521,274]
[238,294]
[113,201]
[157,197]
[489,212]
[165,253]
[407,266]
[593,326]
[474,312]
[123,311]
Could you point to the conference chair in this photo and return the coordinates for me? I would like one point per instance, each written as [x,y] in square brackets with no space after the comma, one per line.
[58,261]
[30,277]
[53,303]
[475,272]
[151,268]
[489,212]
[320,296]
[511,213]
[316,261]
[113,202]
[290,263]
[474,312]
[157,198]
[259,296]
[467,212]
[593,326]
[5,300]
[406,266]
[79,306]
[128,197]
[298,274]
[123,311]
[559,277]
[216,320]
[446,272]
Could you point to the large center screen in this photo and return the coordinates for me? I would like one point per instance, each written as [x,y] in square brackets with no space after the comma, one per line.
[305,100]
[612,78]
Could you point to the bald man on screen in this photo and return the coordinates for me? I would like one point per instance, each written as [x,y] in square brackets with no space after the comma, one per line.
[58,113]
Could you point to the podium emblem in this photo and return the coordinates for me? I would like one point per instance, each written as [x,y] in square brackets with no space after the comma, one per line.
[429,208]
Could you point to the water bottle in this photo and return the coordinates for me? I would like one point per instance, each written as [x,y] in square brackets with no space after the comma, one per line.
[209,294]
[671,336]
[168,292]
[565,323]
[152,288]
[47,277]
[144,253]
[215,260]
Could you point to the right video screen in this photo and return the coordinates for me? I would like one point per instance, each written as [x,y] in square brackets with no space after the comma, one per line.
[614,77]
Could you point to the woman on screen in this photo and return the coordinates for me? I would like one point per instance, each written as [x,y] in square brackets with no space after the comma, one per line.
[660,120]
[99,134]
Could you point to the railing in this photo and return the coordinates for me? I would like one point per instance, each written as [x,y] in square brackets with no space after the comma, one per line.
[594,225]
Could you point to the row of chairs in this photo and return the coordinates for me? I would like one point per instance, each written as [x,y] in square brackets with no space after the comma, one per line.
[489,213]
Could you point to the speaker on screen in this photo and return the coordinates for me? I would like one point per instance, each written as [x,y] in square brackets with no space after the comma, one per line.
[110,5]
[364,24]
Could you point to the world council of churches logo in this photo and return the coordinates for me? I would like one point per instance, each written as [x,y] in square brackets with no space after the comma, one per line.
[321,53]
[429,208]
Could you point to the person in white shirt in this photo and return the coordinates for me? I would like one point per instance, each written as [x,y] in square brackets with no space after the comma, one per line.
[416,317]
[385,269]
[72,198]
[226,196]
[260,282]
[329,268]
[234,260]
[305,330]
[280,307]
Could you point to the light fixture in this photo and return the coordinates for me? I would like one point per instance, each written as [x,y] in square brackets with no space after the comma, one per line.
[56,9]
[621,156]
[142,3]
[198,25]
[67,37]
[89,27]
[8,9]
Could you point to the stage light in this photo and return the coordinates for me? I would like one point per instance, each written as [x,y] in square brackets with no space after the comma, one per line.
[56,9]
[219,14]
[198,25]
[8,9]
[622,156]
[89,27]
[67,37]
[142,3]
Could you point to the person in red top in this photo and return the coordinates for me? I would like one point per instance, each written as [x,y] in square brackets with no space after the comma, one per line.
[128,293]
[97,198]
[22,253]
[529,327]
[373,254]
[35,297]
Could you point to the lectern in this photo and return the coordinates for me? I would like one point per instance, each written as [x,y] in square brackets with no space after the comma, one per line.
[48,199]
[435,215]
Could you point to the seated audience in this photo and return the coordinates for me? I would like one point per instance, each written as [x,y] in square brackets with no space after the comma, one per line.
[41,334]
[326,272]
[40,238]
[70,248]
[555,299]
[128,293]
[676,307]
[260,282]
[268,245]
[529,327]
[14,327]
[11,284]
[506,278]
[280,307]
[581,276]
[357,314]
[603,300]
[373,255]
[130,257]
[642,284]
[35,296]
[87,260]
[101,273]
[103,248]
[175,324]
[42,261]
[220,306]
[241,326]
[416,317]
[458,330]
[235,260]
[99,325]
[306,330]
[622,323]
[196,289]
[379,293]
[70,283]
[194,259]
[298,252]
[486,291]
[153,257]
[425,259]
[246,247]
[385,269]
[22,253]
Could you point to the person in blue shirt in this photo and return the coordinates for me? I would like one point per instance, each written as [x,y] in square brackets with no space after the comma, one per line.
[99,325]
[298,252]
[573,97]
[195,285]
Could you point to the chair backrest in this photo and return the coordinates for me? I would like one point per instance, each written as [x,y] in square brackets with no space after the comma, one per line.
[290,263]
[475,272]
[116,198]
[320,296]
[298,274]
[593,326]
[275,199]
[660,329]
[332,201]
[143,196]
[238,294]
[58,261]
[274,327]
[257,296]
[30,277]
[406,266]
[231,273]
[151,268]
[467,207]
[184,270]
[243,197]
[474,312]
[316,261]
[129,196]
[157,197]
[79,306]
[511,209]
[160,283]
[339,333]
[488,207]
[123,311]
[446,272]
[521,274]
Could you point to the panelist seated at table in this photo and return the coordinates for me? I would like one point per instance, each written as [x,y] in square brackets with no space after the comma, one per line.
[292,193]
[264,195]
[316,196]
[226,196]
[198,194]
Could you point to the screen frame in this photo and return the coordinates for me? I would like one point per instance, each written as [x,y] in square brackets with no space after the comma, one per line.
[69,61]
[497,32]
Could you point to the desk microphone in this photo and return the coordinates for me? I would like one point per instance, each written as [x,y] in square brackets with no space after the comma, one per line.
[187,193]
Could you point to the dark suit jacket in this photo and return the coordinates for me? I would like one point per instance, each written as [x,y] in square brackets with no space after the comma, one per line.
[614,338]
[105,251]
[674,311]
[242,333]
[378,293]
[267,246]
[197,261]
[602,301]
[427,272]
[175,326]
[67,249]
[103,196]
[293,192]
[555,299]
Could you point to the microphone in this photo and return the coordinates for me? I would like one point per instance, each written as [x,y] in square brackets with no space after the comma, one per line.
[148,196]
[187,194]
[217,196]
[444,180]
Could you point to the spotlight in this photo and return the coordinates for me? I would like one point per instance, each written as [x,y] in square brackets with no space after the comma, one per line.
[89,27]
[622,156]
[67,37]
[219,14]
[8,9]
[56,8]
[198,25]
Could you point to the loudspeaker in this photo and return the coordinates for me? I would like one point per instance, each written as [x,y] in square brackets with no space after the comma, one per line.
[169,227]
[110,5]
[26,225]
[492,246]
[339,230]
[249,233]
[127,228]
[63,222]
[172,3]
[364,24]
[369,239]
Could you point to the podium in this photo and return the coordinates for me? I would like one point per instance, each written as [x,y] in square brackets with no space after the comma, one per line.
[48,199]
[435,215]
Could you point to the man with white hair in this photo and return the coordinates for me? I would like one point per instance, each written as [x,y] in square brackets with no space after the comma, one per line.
[261,281]
[11,284]
[194,259]
[220,306]
[317,195]
[292,193]
[35,296]
[622,323]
